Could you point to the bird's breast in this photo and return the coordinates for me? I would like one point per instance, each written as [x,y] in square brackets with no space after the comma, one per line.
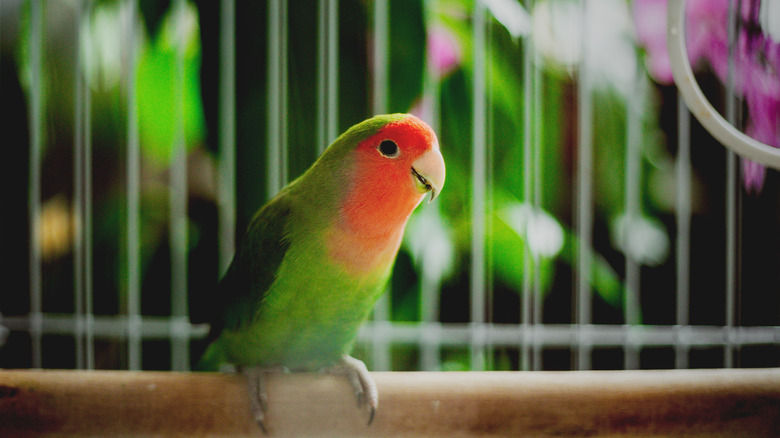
[364,254]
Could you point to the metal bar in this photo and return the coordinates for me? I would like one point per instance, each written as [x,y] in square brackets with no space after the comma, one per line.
[731,187]
[683,219]
[530,196]
[80,193]
[572,335]
[584,200]
[538,129]
[327,73]
[1,42]
[277,94]
[489,205]
[322,75]
[380,347]
[112,327]
[380,55]
[381,355]
[133,235]
[332,126]
[450,334]
[227,135]
[34,188]
[479,188]
[430,284]
[284,93]
[177,195]
[87,221]
[633,213]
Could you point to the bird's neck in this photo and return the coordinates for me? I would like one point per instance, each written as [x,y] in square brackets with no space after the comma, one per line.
[370,229]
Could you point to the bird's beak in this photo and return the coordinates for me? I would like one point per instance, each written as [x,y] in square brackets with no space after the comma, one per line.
[429,172]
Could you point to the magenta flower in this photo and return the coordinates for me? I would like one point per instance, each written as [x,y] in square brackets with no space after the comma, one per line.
[650,22]
[443,51]
[761,88]
[756,62]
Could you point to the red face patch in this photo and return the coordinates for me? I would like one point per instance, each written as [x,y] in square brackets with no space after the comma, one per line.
[384,189]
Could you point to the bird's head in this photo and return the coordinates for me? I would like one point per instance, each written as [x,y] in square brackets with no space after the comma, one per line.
[394,168]
[402,157]
[374,175]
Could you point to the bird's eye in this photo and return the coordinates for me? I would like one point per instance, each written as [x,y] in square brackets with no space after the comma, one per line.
[388,148]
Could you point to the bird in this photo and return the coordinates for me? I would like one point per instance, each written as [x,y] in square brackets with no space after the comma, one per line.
[316,257]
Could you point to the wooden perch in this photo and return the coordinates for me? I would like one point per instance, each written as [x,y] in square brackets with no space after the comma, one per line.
[594,403]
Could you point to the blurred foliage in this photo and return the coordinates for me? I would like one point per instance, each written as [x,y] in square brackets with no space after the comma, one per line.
[525,237]
[438,244]
[161,103]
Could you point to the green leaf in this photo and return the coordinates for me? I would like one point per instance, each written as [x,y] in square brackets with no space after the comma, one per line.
[159,101]
[520,230]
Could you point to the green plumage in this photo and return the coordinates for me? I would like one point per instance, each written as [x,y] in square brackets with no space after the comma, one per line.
[285,301]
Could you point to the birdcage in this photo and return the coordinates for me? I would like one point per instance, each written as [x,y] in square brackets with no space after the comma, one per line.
[589,221]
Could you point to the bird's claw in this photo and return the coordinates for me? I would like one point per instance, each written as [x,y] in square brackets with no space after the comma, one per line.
[258,396]
[362,383]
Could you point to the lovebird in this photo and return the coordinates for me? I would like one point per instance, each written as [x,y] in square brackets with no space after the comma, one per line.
[316,257]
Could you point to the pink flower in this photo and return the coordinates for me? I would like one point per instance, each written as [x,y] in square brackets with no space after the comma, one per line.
[704,33]
[753,175]
[756,62]
[650,22]
[443,51]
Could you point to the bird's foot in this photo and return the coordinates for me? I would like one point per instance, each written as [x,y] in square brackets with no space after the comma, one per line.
[361,381]
[258,396]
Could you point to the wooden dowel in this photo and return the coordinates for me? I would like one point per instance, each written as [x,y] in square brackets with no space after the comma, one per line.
[587,403]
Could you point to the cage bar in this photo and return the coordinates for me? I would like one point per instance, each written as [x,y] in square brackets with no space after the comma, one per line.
[177,195]
[732,202]
[380,56]
[538,130]
[226,180]
[327,73]
[1,41]
[78,202]
[379,60]
[450,334]
[37,113]
[633,214]
[277,89]
[531,299]
[82,196]
[133,219]
[489,205]
[430,282]
[683,170]
[88,221]
[479,190]
[584,200]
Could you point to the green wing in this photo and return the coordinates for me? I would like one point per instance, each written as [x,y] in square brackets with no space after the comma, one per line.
[253,269]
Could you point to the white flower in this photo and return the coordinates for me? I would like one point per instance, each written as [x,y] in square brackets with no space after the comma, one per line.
[541,232]
[609,47]
[642,239]
[512,15]
[428,240]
